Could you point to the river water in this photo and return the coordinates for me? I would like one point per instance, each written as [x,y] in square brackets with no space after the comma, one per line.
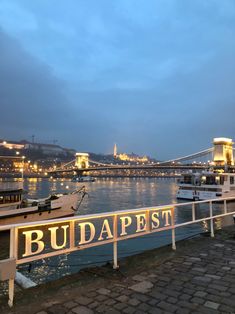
[107,195]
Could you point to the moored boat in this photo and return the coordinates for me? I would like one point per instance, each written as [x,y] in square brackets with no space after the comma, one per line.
[206,185]
[83,179]
[14,208]
[219,181]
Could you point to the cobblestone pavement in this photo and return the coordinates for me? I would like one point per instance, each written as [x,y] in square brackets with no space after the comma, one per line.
[198,278]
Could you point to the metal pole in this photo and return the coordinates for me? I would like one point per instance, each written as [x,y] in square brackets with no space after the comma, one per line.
[12,255]
[115,252]
[211,220]
[173,228]
[23,157]
[225,207]
[193,212]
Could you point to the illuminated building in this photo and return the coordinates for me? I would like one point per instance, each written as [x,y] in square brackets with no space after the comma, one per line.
[134,158]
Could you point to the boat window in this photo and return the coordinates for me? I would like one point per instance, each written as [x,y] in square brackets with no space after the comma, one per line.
[208,180]
[188,179]
[221,180]
[231,180]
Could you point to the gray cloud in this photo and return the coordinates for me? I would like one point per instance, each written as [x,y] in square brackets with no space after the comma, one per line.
[156,77]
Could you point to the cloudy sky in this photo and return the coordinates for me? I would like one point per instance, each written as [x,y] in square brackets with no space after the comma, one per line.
[156,77]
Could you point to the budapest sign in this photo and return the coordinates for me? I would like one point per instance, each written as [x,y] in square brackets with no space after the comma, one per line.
[54,237]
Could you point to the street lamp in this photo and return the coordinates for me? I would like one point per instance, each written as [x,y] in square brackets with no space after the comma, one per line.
[23,158]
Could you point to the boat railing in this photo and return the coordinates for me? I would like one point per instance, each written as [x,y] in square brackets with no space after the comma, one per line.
[116,226]
[11,185]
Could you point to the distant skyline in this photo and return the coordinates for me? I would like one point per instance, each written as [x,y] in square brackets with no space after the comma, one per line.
[155,77]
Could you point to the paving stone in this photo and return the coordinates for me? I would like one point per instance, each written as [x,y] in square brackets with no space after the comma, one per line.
[143,286]
[202,279]
[82,310]
[219,245]
[183,311]
[114,294]
[92,294]
[138,278]
[226,309]
[158,295]
[93,305]
[167,306]
[110,302]
[185,296]
[213,276]
[144,307]
[133,301]
[120,306]
[186,304]
[83,300]
[218,287]
[57,309]
[172,300]
[194,259]
[198,269]
[112,311]
[129,310]
[197,300]
[70,304]
[123,298]
[103,291]
[212,305]
[226,268]
[212,297]
[102,308]
[153,302]
[171,293]
[101,298]
[228,301]
[41,312]
[200,294]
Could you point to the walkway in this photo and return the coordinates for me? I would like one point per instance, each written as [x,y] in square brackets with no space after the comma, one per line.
[198,278]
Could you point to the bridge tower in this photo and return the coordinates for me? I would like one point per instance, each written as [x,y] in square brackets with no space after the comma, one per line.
[82,160]
[223,151]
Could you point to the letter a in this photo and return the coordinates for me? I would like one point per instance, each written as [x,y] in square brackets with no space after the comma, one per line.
[106,229]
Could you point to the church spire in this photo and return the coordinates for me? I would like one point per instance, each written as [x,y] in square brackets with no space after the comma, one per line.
[115,151]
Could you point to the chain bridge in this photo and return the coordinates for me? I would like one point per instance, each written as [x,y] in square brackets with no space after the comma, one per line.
[221,152]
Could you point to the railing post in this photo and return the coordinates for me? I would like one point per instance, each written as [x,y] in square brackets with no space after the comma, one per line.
[211,220]
[173,228]
[115,233]
[193,212]
[13,250]
[225,207]
[71,234]
[148,227]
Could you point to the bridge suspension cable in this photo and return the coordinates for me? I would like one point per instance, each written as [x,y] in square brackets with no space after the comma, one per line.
[66,164]
[188,157]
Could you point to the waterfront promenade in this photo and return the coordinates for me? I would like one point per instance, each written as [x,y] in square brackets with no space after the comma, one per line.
[197,278]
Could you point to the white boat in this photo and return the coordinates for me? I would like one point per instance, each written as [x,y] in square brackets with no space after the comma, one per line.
[206,185]
[16,209]
[83,179]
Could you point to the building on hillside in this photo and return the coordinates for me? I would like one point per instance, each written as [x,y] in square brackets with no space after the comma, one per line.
[11,145]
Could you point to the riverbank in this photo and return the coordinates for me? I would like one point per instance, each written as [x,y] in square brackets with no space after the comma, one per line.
[199,277]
